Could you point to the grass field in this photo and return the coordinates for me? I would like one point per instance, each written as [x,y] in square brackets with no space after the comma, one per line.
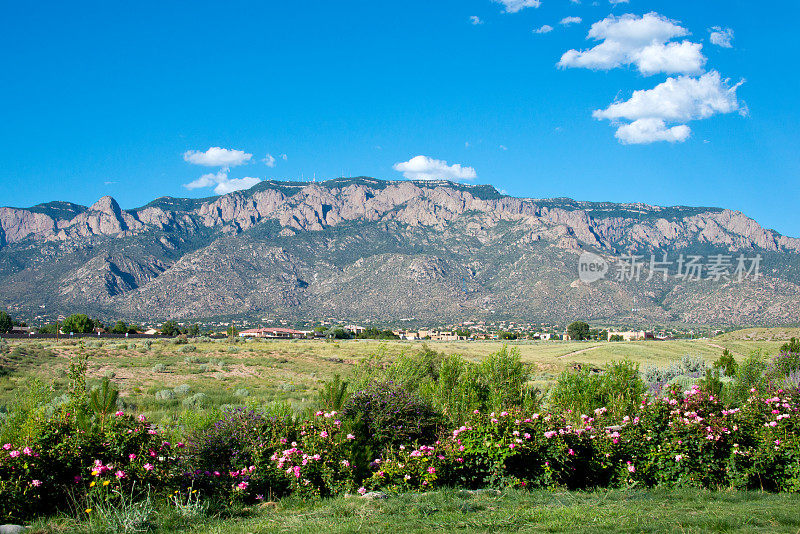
[220,374]
[631,510]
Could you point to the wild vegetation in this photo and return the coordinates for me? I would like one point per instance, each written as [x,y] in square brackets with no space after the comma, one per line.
[178,453]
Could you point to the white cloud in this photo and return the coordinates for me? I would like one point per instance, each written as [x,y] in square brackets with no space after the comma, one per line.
[503,147]
[615,2]
[217,157]
[641,41]
[284,157]
[221,183]
[677,100]
[566,21]
[721,37]
[513,6]
[269,160]
[425,168]
[543,29]
[644,131]
[475,20]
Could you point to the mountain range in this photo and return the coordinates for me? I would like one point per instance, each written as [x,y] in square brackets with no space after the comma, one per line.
[364,249]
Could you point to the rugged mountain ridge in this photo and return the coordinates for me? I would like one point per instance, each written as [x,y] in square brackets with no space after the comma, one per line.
[437,251]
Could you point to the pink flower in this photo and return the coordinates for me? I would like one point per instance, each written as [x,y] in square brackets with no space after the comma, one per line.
[345,463]
[362,490]
[119,413]
[131,457]
[350,436]
[36,483]
[142,418]
[14,454]
[148,467]
[678,457]
[27,451]
[120,474]
[571,452]
[511,446]
[431,470]
[242,485]
[8,446]
[631,468]
[323,434]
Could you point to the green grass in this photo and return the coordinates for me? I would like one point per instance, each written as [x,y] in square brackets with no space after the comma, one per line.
[632,510]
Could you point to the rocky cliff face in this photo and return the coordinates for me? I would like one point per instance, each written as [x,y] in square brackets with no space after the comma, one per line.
[428,250]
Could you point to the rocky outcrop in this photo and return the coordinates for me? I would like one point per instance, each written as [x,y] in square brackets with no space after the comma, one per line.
[315,206]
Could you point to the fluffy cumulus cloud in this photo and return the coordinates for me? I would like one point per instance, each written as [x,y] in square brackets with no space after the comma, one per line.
[566,21]
[425,168]
[221,183]
[475,20]
[645,42]
[721,37]
[514,6]
[677,100]
[217,157]
[270,160]
[615,2]
[645,131]
[543,29]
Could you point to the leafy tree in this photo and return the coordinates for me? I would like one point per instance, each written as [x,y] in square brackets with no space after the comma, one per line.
[232,332]
[6,324]
[120,328]
[463,332]
[170,328]
[48,329]
[578,330]
[193,330]
[78,323]
[338,333]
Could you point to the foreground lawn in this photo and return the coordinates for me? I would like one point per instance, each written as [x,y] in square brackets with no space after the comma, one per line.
[684,510]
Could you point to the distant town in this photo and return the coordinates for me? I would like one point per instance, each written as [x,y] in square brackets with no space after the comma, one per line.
[82,325]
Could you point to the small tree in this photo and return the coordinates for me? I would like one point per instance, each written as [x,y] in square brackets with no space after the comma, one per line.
[120,328]
[6,324]
[578,330]
[170,328]
[333,394]
[78,323]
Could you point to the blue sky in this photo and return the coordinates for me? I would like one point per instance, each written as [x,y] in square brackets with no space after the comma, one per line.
[112,98]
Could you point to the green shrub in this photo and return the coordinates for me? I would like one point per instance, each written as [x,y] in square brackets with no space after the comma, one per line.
[198,400]
[619,389]
[188,348]
[159,368]
[392,416]
[165,394]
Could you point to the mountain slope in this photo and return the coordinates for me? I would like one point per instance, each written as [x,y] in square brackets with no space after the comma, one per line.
[368,249]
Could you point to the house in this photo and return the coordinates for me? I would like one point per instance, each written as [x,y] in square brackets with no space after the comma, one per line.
[151,332]
[275,333]
[631,335]
[355,329]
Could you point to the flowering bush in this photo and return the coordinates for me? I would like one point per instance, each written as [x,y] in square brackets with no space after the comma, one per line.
[231,458]
[323,459]
[65,456]
[392,440]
